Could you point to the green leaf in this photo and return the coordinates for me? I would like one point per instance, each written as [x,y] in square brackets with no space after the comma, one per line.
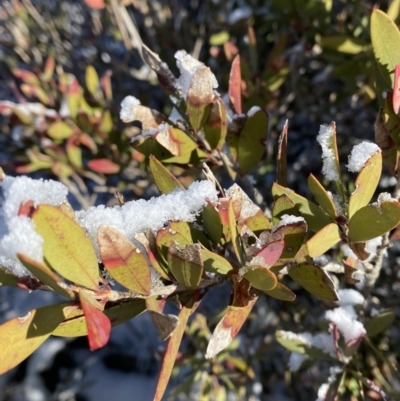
[252,140]
[215,128]
[59,130]
[323,240]
[316,218]
[291,343]
[124,261]
[322,196]
[75,325]
[366,183]
[281,292]
[259,277]
[379,323]
[374,220]
[164,239]
[212,223]
[235,238]
[66,246]
[21,336]
[172,349]
[283,205]
[199,97]
[186,265]
[385,38]
[7,279]
[293,235]
[164,180]
[177,142]
[344,44]
[215,263]
[45,275]
[315,280]
[91,79]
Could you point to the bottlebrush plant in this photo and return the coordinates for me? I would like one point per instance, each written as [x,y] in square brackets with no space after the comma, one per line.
[178,246]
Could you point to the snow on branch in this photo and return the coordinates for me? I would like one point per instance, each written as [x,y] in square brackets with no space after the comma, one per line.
[325,138]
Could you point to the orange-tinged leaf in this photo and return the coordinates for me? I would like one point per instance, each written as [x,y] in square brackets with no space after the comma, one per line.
[235,85]
[173,348]
[97,323]
[96,4]
[66,246]
[323,240]
[123,260]
[366,183]
[45,275]
[21,336]
[163,178]
[103,166]
[271,252]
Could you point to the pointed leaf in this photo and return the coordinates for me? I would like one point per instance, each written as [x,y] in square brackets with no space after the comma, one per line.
[75,325]
[215,263]
[185,264]
[172,349]
[164,180]
[235,238]
[165,324]
[396,90]
[235,85]
[281,292]
[123,260]
[212,223]
[323,240]
[23,335]
[199,97]
[66,246]
[97,323]
[315,280]
[45,275]
[374,220]
[252,140]
[316,218]
[281,159]
[259,277]
[322,196]
[366,183]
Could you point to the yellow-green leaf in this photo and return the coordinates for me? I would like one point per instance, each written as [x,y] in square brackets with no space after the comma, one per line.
[123,260]
[283,205]
[374,220]
[281,292]
[66,246]
[315,280]
[91,79]
[344,44]
[366,183]
[316,218]
[216,126]
[379,323]
[215,263]
[219,38]
[59,130]
[322,196]
[45,275]
[7,278]
[235,238]
[185,264]
[21,336]
[164,180]
[323,240]
[259,277]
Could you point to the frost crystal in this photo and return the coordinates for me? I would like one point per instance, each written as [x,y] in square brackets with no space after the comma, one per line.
[127,115]
[360,155]
[17,234]
[138,216]
[324,138]
[188,66]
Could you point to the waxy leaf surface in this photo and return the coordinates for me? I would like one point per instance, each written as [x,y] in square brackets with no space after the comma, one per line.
[322,196]
[260,277]
[215,263]
[217,124]
[281,292]
[66,246]
[164,180]
[323,240]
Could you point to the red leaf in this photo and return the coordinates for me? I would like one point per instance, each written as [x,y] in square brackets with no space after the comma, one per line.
[98,324]
[272,252]
[396,90]
[235,85]
[104,166]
